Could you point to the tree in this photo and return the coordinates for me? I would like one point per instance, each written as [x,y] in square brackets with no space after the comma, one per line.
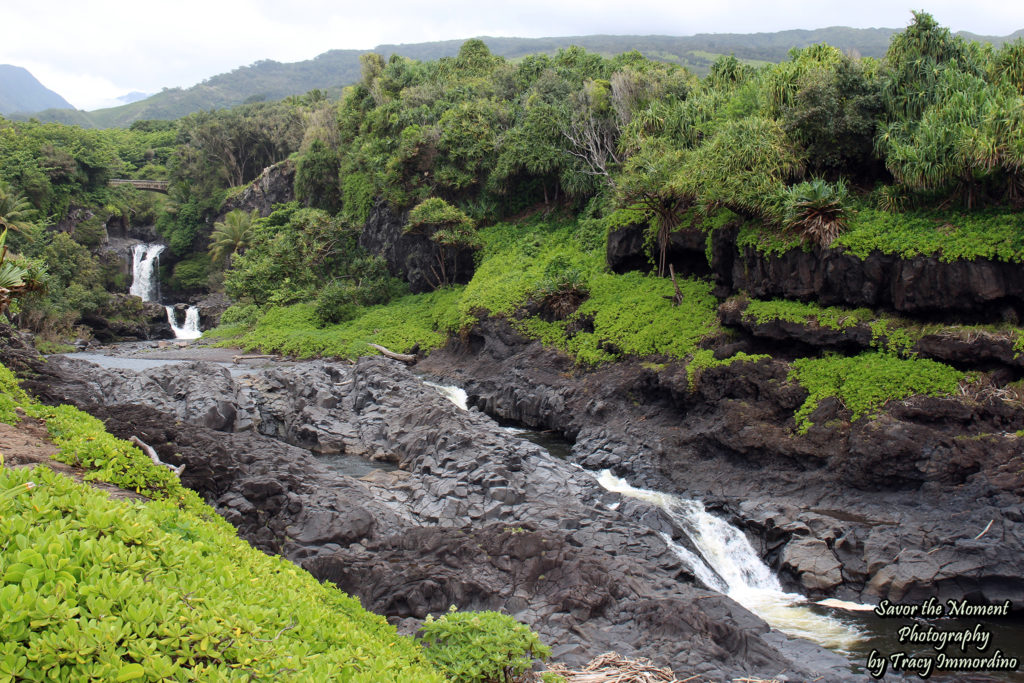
[817,209]
[650,179]
[316,178]
[832,113]
[449,228]
[232,235]
[15,209]
[15,279]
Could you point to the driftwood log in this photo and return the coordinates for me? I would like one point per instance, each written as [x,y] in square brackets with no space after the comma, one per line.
[388,353]
[148,450]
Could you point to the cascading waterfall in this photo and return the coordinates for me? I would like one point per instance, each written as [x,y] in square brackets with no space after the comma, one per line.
[145,285]
[190,328]
[728,564]
[456,395]
[145,258]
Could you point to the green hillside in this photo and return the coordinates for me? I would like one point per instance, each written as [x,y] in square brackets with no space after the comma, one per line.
[20,91]
[98,589]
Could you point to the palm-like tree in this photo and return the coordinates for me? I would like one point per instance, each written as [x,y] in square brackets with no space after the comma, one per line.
[15,209]
[817,209]
[15,279]
[232,235]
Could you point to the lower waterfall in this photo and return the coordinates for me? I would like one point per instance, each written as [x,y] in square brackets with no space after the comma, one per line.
[188,329]
[728,564]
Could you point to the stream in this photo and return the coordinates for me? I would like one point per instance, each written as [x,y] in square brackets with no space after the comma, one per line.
[727,563]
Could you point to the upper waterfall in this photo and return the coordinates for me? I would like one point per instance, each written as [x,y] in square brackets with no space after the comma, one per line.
[144,276]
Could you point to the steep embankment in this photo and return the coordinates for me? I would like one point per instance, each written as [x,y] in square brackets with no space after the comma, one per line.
[108,584]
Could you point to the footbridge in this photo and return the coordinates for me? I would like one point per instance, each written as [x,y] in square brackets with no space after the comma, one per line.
[151,185]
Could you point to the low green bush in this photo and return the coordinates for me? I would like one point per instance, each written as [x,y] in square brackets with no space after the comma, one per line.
[864,383]
[481,647]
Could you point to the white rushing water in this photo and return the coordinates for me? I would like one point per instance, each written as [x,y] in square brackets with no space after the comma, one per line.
[454,394]
[190,328]
[144,274]
[727,563]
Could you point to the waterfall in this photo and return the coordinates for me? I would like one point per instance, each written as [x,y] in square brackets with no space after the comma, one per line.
[144,274]
[728,564]
[190,329]
[145,285]
[456,395]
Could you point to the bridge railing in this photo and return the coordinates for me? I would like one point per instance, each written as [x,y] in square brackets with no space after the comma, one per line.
[154,185]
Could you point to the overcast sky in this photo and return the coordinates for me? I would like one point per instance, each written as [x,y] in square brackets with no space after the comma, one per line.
[93,51]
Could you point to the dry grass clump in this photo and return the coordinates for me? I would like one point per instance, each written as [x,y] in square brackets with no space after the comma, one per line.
[612,667]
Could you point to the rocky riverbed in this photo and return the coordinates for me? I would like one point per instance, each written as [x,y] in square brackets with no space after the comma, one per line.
[889,508]
[474,516]
[477,517]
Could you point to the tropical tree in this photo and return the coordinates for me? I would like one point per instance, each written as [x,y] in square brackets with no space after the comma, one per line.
[817,210]
[232,235]
[651,181]
[15,209]
[15,278]
[449,228]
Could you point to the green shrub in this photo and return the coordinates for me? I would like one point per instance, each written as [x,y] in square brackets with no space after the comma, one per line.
[481,647]
[336,303]
[864,383]
[246,314]
[191,273]
[97,589]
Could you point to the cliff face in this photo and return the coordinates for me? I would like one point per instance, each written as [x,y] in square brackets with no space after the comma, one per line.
[978,290]
[412,256]
[275,185]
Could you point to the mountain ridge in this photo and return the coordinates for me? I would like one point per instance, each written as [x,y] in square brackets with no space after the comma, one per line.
[333,70]
[20,91]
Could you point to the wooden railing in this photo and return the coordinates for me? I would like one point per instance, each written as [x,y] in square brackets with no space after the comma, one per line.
[152,185]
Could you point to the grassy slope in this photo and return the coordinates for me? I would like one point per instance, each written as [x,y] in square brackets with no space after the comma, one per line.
[631,315]
[93,589]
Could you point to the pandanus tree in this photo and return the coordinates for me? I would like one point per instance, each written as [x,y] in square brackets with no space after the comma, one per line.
[650,181]
[816,209]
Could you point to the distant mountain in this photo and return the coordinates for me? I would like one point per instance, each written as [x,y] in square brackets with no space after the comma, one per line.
[21,92]
[133,96]
[331,71]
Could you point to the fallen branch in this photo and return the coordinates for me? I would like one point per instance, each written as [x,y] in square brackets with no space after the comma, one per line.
[985,530]
[235,359]
[148,450]
[388,353]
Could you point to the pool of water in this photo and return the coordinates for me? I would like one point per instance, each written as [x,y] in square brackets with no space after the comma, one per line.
[140,364]
[353,465]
